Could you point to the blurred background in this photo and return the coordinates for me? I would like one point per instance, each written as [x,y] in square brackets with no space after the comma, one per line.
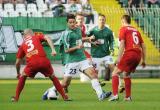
[49,17]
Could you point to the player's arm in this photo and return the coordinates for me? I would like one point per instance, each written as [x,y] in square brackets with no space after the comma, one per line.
[88,39]
[143,54]
[69,50]
[50,43]
[121,50]
[18,66]
[111,44]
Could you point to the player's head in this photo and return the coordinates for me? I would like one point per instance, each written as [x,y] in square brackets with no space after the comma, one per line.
[58,1]
[73,1]
[28,32]
[125,20]
[79,19]
[71,21]
[101,19]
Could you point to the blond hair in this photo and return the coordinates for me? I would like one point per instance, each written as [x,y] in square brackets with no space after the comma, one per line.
[28,32]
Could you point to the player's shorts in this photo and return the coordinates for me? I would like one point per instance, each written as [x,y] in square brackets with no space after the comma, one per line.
[40,64]
[105,61]
[72,69]
[129,61]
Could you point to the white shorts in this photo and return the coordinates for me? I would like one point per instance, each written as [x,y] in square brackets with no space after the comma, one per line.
[104,61]
[72,69]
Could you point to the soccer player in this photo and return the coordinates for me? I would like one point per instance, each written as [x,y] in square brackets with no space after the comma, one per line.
[102,45]
[81,25]
[76,59]
[132,49]
[37,61]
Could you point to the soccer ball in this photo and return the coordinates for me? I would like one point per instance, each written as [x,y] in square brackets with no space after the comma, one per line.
[51,94]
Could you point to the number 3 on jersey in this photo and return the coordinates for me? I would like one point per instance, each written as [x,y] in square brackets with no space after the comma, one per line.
[30,45]
[135,38]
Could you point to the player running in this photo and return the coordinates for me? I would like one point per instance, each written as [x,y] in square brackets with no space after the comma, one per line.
[76,59]
[102,45]
[37,61]
[131,50]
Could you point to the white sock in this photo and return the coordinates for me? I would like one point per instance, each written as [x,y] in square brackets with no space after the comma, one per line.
[96,86]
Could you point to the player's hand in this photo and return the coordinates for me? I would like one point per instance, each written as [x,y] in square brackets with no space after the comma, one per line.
[53,53]
[112,53]
[18,75]
[80,46]
[116,61]
[91,38]
[143,64]
[95,43]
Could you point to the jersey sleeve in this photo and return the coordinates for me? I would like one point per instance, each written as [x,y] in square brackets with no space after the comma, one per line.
[20,53]
[121,34]
[66,41]
[111,40]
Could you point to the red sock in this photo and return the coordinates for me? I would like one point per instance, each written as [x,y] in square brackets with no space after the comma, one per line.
[127,82]
[115,83]
[20,85]
[59,87]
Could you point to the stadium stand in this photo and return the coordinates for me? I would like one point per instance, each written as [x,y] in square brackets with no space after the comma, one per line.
[19,38]
[1,8]
[9,7]
[9,39]
[147,20]
[21,9]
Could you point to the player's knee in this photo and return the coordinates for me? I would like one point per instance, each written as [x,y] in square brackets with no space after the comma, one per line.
[126,75]
[115,73]
[65,84]
[23,74]
[93,73]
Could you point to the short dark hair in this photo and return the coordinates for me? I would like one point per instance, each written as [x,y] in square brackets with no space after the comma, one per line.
[70,16]
[127,18]
[100,14]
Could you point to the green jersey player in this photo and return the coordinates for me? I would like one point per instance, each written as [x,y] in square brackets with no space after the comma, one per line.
[76,60]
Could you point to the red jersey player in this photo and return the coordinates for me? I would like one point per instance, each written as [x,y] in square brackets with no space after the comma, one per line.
[132,49]
[80,23]
[37,61]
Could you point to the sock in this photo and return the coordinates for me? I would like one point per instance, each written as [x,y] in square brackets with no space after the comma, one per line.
[59,87]
[115,83]
[96,86]
[127,86]
[20,86]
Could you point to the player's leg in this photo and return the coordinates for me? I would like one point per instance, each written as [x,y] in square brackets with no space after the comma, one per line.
[58,86]
[96,65]
[107,74]
[66,82]
[115,82]
[95,83]
[127,82]
[121,86]
[20,86]
[109,65]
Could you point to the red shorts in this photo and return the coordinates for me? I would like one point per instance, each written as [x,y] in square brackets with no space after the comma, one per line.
[129,61]
[40,64]
[87,54]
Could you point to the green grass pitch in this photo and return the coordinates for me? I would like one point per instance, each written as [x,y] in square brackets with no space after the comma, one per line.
[145,93]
